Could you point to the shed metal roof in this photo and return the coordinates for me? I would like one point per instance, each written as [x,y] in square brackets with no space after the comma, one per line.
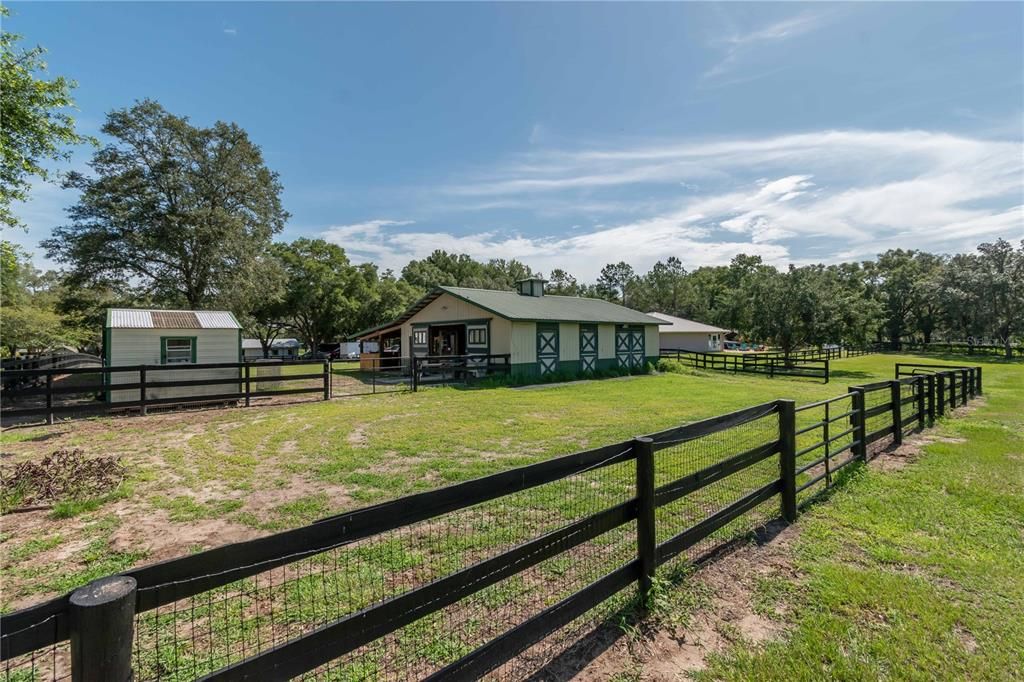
[679,324]
[515,306]
[134,318]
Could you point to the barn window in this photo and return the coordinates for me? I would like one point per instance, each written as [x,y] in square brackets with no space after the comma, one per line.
[478,336]
[179,351]
[419,337]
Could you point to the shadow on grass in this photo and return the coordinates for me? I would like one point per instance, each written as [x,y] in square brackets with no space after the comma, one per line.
[631,616]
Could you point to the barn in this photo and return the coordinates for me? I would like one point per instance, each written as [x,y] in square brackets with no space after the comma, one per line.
[677,333]
[541,333]
[171,338]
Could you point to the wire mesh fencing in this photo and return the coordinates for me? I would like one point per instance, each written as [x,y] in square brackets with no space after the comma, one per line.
[496,577]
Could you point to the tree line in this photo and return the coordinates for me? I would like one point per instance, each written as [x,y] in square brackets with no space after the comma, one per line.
[176,215]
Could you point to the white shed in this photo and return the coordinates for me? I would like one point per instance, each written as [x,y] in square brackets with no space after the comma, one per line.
[175,338]
[683,334]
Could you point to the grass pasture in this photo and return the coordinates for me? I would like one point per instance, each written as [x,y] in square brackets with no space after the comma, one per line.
[200,479]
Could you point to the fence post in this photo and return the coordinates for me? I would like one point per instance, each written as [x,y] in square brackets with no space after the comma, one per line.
[920,402]
[897,413]
[643,448]
[327,379]
[415,377]
[860,430]
[102,624]
[142,391]
[787,457]
[49,398]
[951,375]
[978,379]
[826,370]
[974,381]
[931,399]
[963,386]
[248,382]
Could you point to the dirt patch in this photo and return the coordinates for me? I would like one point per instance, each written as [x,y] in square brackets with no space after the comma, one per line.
[357,437]
[731,616]
[966,638]
[898,457]
[164,539]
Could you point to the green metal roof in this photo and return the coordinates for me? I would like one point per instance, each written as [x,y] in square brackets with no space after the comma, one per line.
[514,306]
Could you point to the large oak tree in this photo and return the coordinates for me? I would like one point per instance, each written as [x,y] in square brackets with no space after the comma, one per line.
[175,212]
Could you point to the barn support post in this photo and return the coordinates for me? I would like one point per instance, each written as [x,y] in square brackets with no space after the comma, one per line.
[142,391]
[896,396]
[860,432]
[102,629]
[787,458]
[643,450]
[49,397]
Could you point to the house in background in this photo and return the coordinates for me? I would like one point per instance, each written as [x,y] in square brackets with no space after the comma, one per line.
[541,333]
[171,338]
[280,349]
[677,333]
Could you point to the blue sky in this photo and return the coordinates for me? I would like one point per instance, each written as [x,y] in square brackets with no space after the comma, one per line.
[573,135]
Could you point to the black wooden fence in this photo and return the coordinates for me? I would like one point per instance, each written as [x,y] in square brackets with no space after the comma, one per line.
[458,369]
[770,364]
[68,391]
[476,577]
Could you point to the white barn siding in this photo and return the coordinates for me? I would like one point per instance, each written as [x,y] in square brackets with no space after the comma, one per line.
[652,340]
[606,342]
[142,347]
[695,341]
[568,342]
[524,342]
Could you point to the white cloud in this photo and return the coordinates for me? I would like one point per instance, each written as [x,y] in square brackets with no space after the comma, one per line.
[739,45]
[835,194]
[231,31]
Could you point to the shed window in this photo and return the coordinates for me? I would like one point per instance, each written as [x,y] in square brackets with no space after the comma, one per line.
[177,351]
[478,336]
[419,337]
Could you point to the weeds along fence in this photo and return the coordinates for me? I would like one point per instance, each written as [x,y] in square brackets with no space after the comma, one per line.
[769,364]
[497,577]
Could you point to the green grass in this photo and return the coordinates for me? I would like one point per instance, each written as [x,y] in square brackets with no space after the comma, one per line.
[911,574]
[281,467]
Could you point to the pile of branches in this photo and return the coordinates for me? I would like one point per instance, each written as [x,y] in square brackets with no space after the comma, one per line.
[63,475]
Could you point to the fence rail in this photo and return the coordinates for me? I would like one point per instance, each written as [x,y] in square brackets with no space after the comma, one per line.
[53,391]
[770,364]
[458,369]
[606,517]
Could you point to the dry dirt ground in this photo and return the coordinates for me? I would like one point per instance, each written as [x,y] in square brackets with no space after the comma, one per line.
[733,612]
